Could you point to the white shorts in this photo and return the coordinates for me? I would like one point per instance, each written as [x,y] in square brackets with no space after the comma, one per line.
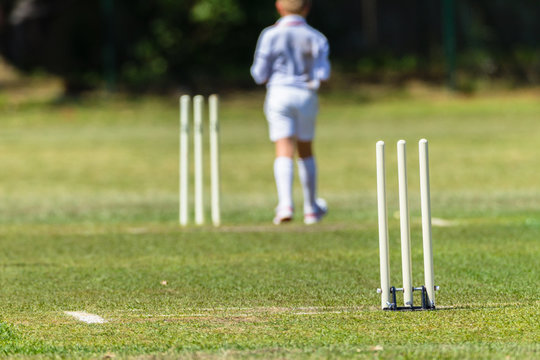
[291,112]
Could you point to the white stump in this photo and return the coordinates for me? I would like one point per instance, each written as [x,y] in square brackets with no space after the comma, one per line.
[426,221]
[406,262]
[184,160]
[198,102]
[214,160]
[383,226]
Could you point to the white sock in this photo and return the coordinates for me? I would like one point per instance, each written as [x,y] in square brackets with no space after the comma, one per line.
[307,171]
[283,173]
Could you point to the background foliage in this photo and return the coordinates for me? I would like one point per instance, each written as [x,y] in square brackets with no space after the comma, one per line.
[209,43]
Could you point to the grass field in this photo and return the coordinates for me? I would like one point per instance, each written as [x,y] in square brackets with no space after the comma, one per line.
[88,222]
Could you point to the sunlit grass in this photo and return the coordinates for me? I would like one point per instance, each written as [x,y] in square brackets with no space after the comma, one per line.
[88,222]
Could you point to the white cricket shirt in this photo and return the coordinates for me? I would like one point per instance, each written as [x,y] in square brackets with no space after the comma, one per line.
[291,53]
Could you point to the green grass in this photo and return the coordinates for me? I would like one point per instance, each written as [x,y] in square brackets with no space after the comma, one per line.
[88,222]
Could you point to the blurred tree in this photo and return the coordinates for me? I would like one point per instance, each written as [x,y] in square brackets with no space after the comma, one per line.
[449,35]
[45,35]
[369,22]
[109,44]
[204,44]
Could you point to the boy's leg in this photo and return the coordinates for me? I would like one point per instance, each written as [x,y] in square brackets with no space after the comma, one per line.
[284,174]
[285,147]
[280,112]
[314,209]
[307,171]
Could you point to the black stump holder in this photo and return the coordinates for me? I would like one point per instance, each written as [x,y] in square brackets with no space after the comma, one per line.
[425,303]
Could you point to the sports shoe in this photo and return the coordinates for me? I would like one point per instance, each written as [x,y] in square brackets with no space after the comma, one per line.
[283,215]
[313,218]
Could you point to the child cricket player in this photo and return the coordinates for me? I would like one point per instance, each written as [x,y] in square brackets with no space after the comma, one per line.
[291,58]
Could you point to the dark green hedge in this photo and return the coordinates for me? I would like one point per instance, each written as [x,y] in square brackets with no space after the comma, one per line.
[203,44]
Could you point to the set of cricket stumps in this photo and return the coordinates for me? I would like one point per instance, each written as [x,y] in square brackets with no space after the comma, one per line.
[198,168]
[387,291]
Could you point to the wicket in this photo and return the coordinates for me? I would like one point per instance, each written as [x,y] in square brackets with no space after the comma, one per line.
[198,125]
[388,292]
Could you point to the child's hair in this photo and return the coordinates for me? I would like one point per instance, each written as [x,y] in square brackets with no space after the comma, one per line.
[294,6]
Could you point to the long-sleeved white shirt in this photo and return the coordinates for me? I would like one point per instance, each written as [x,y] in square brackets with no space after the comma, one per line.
[291,53]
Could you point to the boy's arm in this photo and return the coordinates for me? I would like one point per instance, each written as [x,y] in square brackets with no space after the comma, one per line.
[261,68]
[322,64]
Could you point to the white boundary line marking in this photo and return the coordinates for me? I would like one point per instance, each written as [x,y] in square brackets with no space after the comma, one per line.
[86,317]
[246,314]
[250,311]
[298,311]
[301,310]
[438,222]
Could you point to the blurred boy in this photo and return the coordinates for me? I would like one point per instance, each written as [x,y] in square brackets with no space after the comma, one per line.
[292,59]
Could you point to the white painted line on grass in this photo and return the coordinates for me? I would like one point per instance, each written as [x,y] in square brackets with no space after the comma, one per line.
[255,311]
[261,311]
[438,222]
[235,314]
[86,317]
